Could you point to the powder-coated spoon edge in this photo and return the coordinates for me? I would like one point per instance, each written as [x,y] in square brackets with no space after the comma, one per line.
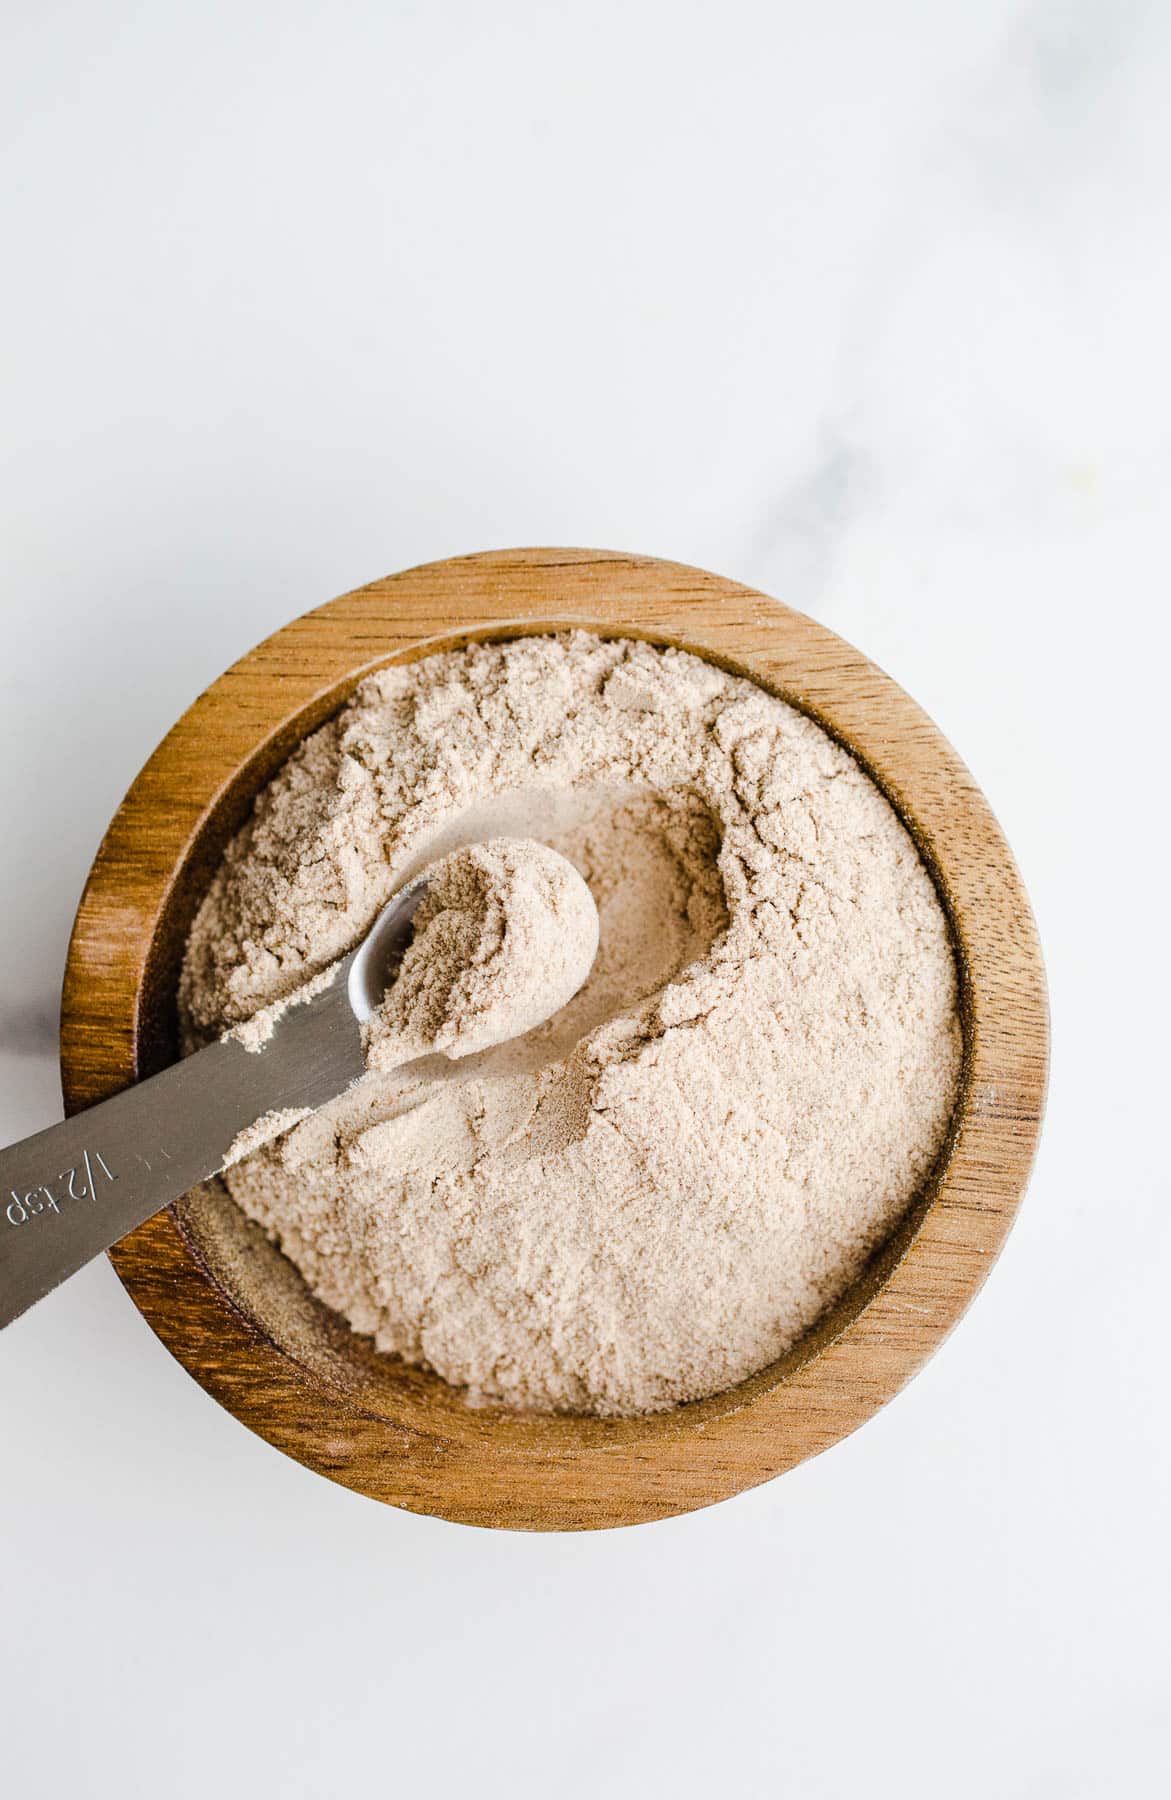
[67,1193]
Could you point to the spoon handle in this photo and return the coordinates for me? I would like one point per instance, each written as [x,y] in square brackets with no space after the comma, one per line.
[68,1193]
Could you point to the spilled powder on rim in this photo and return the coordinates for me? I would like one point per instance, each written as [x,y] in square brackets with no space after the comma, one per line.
[655,1193]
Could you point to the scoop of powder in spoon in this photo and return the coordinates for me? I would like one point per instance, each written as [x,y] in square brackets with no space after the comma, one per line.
[504,936]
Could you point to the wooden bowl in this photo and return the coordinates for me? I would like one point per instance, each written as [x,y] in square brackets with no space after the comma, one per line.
[237,1314]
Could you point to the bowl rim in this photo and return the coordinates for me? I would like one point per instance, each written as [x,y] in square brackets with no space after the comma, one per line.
[425,1449]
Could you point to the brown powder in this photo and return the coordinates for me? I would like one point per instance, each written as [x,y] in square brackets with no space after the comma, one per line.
[263,1130]
[657,1191]
[503,937]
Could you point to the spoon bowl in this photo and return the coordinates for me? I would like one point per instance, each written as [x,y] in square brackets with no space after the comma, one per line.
[372,964]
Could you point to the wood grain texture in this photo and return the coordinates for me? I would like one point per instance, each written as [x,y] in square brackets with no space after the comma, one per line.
[401,1435]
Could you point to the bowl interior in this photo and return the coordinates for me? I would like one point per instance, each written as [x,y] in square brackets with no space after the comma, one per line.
[265,1289]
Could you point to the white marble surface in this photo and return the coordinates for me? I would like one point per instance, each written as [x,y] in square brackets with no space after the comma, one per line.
[866,304]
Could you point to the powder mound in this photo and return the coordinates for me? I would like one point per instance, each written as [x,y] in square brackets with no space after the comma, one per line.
[654,1193]
[504,937]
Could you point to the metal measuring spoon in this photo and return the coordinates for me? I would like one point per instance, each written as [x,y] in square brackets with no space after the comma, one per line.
[68,1193]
